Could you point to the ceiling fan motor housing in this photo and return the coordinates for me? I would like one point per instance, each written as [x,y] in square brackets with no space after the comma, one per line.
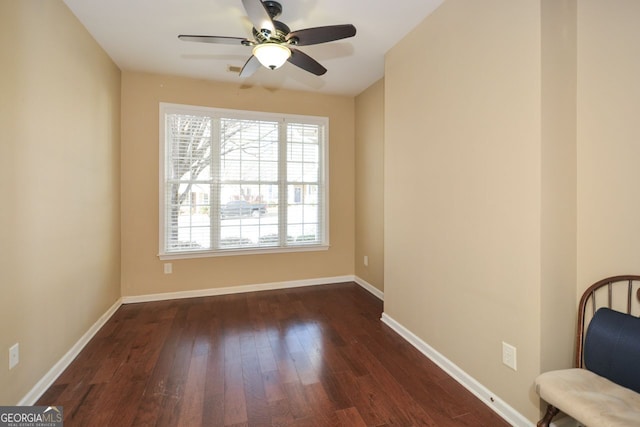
[282,30]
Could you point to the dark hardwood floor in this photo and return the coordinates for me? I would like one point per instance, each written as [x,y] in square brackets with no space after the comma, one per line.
[316,356]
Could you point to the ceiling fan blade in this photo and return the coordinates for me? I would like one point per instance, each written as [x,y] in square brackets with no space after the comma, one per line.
[258,15]
[250,67]
[214,39]
[306,62]
[318,35]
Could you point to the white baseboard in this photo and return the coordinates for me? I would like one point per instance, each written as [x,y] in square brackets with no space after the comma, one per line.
[45,382]
[235,289]
[369,287]
[499,406]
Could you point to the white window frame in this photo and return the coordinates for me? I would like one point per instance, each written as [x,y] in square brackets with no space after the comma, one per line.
[170,108]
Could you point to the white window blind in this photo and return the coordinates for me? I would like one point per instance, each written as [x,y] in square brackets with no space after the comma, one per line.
[239,182]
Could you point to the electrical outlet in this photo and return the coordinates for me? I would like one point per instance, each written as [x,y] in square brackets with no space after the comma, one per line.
[366,261]
[168,268]
[14,355]
[509,356]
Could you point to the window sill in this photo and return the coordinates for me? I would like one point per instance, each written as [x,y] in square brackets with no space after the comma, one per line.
[236,252]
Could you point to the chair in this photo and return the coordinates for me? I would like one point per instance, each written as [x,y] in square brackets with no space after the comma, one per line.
[584,395]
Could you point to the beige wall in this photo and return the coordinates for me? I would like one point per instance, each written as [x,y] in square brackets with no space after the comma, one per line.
[142,271]
[608,139]
[59,182]
[369,159]
[558,203]
[514,130]
[463,189]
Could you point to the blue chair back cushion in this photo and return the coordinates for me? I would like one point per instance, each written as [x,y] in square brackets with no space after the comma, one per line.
[612,347]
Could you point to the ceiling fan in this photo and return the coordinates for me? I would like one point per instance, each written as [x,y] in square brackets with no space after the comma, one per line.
[273,42]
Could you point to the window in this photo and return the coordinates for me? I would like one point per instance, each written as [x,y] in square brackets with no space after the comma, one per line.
[235,182]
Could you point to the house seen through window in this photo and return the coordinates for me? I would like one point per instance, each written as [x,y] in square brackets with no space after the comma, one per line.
[239,182]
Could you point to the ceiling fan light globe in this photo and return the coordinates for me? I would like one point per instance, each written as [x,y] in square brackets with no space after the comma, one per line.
[272,55]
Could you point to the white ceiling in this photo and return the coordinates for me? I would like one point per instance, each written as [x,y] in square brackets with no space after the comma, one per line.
[141,35]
